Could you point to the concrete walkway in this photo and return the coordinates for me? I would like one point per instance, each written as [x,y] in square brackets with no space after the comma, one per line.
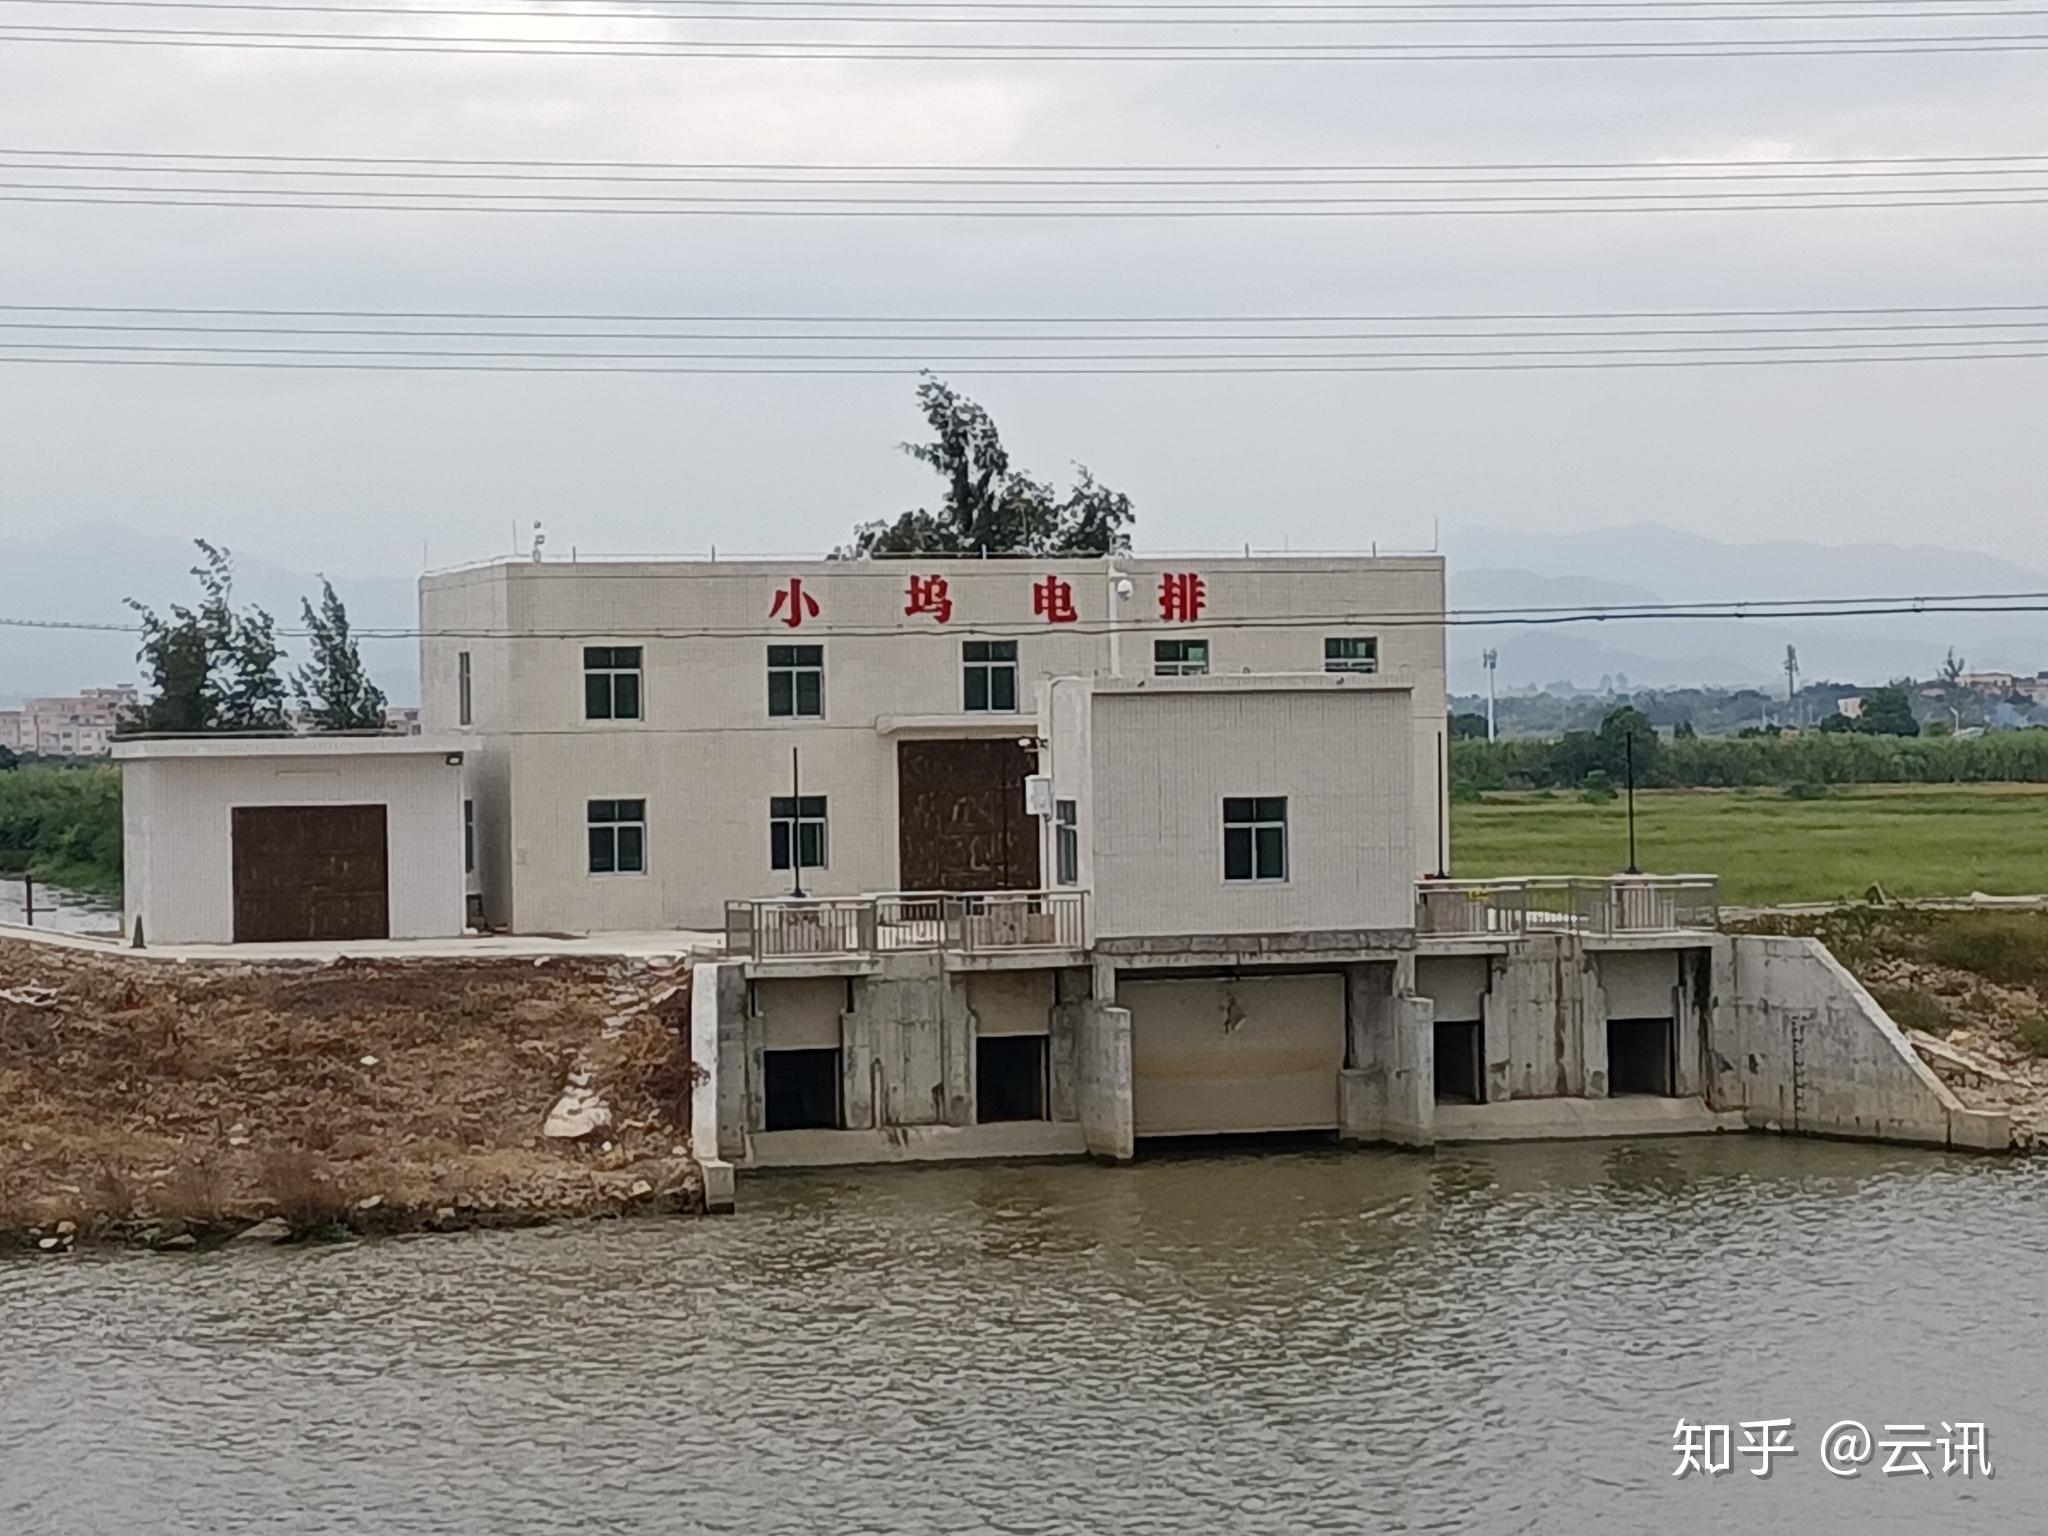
[668,944]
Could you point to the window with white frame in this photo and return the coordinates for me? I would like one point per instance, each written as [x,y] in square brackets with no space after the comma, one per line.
[796,681]
[797,823]
[618,837]
[611,682]
[1255,838]
[462,690]
[1351,653]
[1066,841]
[989,675]
[1180,658]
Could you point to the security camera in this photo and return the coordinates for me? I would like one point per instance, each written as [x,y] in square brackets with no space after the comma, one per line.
[1123,586]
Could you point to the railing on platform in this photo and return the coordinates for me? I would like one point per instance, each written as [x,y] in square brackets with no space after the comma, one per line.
[790,927]
[1619,904]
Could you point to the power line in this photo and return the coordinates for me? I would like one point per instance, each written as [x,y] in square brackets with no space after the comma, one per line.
[1678,176]
[990,52]
[1118,319]
[925,357]
[414,333]
[913,369]
[1972,196]
[171,198]
[826,166]
[1726,610]
[1644,13]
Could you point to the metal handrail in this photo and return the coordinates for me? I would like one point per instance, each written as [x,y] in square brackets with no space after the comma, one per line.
[789,927]
[1604,907]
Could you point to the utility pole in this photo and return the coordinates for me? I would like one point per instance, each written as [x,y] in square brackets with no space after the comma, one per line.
[1629,745]
[1492,660]
[1791,684]
[796,825]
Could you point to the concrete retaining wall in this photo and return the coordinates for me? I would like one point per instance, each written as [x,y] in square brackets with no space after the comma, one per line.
[1800,1046]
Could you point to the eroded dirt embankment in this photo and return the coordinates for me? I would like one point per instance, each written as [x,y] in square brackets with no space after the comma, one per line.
[178,1105]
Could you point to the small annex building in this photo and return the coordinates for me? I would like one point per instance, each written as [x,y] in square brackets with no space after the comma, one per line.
[276,839]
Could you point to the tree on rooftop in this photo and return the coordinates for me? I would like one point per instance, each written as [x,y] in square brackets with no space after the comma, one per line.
[333,687]
[989,506]
[210,668]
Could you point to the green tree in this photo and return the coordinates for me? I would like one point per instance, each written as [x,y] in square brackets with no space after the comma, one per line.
[1684,731]
[1468,726]
[210,668]
[1838,724]
[333,687]
[8,761]
[990,506]
[1888,712]
[1617,730]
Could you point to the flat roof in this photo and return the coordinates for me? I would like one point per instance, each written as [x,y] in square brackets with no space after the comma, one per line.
[230,745]
[1396,681]
[654,566]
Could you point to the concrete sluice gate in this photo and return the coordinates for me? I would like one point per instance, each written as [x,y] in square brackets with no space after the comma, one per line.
[929,1055]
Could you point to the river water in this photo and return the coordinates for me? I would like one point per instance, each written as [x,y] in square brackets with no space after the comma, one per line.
[1494,1341]
[58,909]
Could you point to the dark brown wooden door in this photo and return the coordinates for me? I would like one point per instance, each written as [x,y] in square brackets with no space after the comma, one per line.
[311,872]
[961,820]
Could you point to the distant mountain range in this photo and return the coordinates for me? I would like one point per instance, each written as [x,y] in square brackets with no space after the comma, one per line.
[83,573]
[1647,562]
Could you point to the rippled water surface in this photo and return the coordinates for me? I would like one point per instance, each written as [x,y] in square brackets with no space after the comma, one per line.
[65,911]
[1487,1341]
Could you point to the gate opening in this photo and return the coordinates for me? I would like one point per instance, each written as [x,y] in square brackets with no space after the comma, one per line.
[1639,1057]
[1010,1077]
[1460,1058]
[802,1090]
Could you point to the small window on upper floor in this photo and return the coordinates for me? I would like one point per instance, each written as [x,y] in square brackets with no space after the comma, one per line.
[469,837]
[989,675]
[796,681]
[1180,658]
[1066,842]
[1255,838]
[462,691]
[611,682]
[1351,653]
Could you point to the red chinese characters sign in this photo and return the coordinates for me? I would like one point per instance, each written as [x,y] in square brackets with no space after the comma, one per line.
[793,604]
[1053,600]
[1182,596]
[929,595]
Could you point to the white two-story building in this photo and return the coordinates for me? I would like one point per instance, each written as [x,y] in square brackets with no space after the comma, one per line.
[648,741]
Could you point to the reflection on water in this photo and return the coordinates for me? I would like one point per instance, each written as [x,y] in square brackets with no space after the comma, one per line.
[56,908]
[1486,1341]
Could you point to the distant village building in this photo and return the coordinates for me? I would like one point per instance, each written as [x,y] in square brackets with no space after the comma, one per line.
[69,725]
[2002,685]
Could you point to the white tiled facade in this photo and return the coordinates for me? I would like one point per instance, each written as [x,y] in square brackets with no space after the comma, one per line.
[706,756]
[179,795]
[1150,774]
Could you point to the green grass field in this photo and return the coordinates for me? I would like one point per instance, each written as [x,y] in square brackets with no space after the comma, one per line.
[1945,840]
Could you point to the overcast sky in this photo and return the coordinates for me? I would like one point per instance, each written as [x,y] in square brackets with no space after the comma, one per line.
[357,473]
